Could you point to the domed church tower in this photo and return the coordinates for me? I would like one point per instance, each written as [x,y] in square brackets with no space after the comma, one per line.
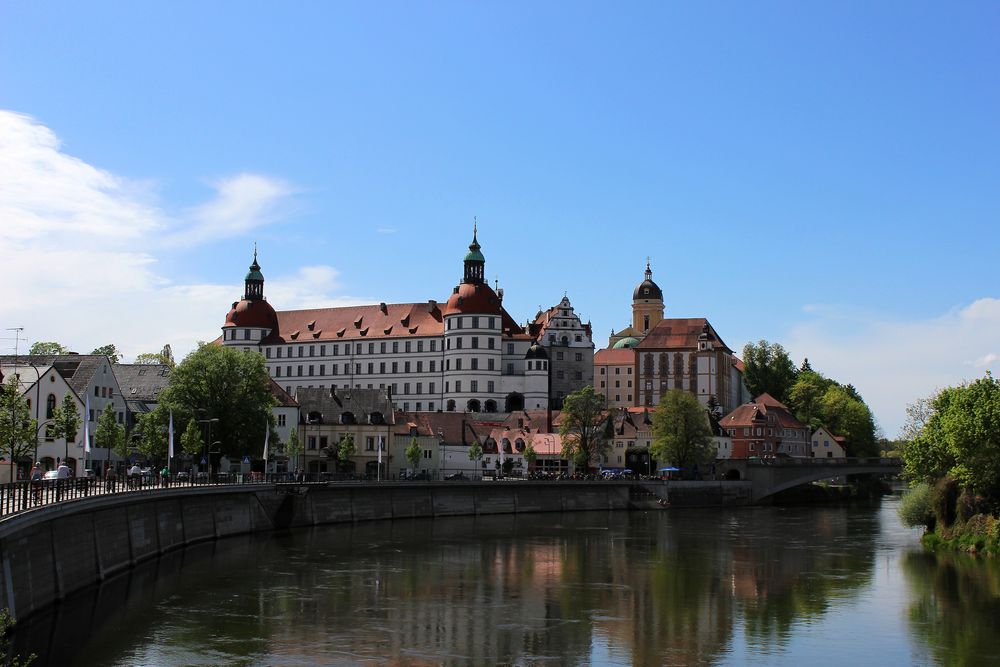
[251,319]
[647,304]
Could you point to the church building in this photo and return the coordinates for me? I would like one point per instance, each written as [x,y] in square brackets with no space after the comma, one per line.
[656,354]
[467,354]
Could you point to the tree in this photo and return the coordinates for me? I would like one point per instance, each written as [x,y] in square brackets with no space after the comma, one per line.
[806,397]
[413,453]
[848,416]
[18,431]
[109,351]
[584,428]
[47,347]
[530,455]
[191,440]
[918,414]
[476,452]
[806,366]
[232,386]
[681,432]
[346,450]
[961,438]
[66,420]
[293,447]
[150,437]
[109,433]
[151,358]
[768,368]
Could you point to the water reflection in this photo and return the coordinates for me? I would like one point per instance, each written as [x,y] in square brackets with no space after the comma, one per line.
[955,609]
[680,587]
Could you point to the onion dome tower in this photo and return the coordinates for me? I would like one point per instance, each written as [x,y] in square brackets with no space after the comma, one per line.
[647,304]
[251,319]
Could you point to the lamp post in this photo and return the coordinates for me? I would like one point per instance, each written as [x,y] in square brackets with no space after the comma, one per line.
[208,439]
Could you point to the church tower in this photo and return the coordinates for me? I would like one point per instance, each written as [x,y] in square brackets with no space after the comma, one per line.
[647,305]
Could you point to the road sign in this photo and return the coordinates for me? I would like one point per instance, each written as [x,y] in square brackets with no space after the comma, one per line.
[246,459]
[203,461]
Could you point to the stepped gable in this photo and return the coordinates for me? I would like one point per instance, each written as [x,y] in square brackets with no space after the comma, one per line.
[680,333]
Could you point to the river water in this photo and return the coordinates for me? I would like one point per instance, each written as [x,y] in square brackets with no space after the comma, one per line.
[754,586]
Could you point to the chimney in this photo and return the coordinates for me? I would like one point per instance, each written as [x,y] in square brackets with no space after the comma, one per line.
[431,305]
[383,308]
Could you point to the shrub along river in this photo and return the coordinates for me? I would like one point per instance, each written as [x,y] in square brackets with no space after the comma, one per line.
[754,586]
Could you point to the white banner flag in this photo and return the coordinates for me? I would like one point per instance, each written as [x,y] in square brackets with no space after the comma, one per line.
[267,436]
[170,438]
[86,425]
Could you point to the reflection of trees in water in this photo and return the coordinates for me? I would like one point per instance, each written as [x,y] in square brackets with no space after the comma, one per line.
[956,605]
[664,587]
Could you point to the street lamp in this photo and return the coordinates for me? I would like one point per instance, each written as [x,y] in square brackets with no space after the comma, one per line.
[208,439]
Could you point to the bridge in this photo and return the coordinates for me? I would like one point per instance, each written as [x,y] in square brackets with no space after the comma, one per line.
[770,476]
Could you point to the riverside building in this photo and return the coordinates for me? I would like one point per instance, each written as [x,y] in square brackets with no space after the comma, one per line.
[467,354]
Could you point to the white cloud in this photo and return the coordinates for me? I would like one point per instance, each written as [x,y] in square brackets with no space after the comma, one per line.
[893,363]
[80,247]
[241,204]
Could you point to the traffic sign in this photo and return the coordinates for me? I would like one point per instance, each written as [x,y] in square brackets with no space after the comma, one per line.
[203,461]
[246,459]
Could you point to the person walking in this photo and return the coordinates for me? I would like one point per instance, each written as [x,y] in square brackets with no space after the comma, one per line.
[36,482]
[62,479]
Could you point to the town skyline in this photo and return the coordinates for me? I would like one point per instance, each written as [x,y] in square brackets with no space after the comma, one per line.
[802,181]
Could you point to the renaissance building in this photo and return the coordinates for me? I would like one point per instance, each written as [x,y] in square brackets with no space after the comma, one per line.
[467,354]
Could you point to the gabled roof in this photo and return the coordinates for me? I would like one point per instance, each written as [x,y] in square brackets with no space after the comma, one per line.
[680,334]
[285,400]
[142,382]
[756,413]
[77,369]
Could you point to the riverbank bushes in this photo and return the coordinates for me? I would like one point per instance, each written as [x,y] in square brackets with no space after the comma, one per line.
[953,458]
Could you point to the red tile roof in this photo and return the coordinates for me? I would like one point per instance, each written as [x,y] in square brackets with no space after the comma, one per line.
[612,357]
[680,334]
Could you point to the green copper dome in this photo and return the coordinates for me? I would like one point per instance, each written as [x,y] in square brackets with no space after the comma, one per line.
[625,343]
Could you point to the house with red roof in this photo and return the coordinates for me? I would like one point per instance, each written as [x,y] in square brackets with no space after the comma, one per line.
[765,427]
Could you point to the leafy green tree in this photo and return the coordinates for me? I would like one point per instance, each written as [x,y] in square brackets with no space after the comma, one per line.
[218,382]
[109,433]
[109,351]
[961,438]
[66,420]
[848,416]
[584,428]
[346,450]
[293,448]
[681,432]
[150,359]
[47,347]
[413,453]
[530,455]
[476,452]
[768,368]
[191,440]
[151,437]
[18,431]
[806,397]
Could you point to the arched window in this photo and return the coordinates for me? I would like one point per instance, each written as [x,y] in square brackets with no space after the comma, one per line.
[472,405]
[347,418]
[50,406]
[519,445]
[376,418]
[451,405]
[490,406]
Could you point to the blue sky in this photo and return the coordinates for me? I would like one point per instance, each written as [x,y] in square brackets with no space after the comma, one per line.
[824,176]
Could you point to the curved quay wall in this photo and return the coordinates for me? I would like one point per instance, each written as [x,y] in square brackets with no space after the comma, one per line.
[49,553]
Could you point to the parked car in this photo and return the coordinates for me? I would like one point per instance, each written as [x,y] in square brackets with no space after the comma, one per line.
[456,476]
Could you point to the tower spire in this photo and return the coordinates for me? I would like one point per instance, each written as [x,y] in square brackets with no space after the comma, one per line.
[474,261]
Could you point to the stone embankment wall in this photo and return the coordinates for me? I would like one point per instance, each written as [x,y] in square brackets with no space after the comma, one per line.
[49,553]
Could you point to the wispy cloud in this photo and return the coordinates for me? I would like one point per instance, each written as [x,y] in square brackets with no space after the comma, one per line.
[242,203]
[386,230]
[82,245]
[895,362]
